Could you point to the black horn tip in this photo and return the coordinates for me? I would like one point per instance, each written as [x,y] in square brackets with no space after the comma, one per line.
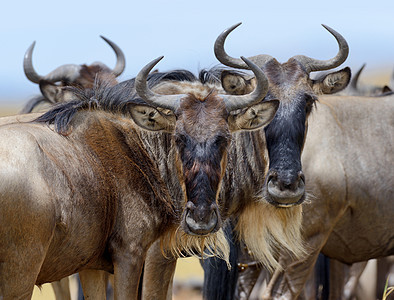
[104,38]
[245,59]
[155,62]
[237,24]
[231,28]
[147,68]
[30,49]
[327,27]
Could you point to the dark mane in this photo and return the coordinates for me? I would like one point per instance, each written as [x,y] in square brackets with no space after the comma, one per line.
[104,96]
[117,99]
[175,75]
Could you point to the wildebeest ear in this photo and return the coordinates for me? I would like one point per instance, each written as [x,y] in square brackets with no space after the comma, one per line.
[254,117]
[151,119]
[333,82]
[236,84]
[55,93]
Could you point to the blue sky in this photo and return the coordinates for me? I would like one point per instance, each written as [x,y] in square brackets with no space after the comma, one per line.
[184,32]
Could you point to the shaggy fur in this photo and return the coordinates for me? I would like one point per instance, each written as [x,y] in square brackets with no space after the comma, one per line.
[180,244]
[267,230]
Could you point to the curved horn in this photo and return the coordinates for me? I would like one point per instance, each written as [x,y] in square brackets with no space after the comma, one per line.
[66,72]
[227,60]
[354,81]
[170,102]
[312,64]
[120,58]
[30,73]
[238,102]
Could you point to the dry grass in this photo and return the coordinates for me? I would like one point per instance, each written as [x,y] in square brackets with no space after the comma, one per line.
[45,293]
[387,290]
[8,110]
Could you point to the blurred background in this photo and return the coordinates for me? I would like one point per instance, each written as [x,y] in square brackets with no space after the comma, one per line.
[184,32]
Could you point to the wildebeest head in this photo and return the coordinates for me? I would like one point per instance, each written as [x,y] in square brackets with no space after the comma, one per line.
[81,76]
[285,135]
[199,118]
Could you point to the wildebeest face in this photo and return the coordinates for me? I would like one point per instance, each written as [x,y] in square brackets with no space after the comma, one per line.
[285,135]
[202,136]
[199,119]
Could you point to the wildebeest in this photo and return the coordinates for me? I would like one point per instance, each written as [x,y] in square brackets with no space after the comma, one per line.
[82,76]
[344,279]
[99,193]
[350,140]
[70,75]
[233,65]
[265,209]
[347,159]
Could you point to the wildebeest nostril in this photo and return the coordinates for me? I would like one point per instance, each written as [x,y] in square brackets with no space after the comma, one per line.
[273,175]
[201,224]
[287,190]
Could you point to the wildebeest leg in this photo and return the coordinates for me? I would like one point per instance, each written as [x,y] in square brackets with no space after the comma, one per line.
[288,284]
[94,284]
[248,273]
[258,288]
[318,284]
[61,289]
[18,273]
[353,274]
[127,272]
[25,235]
[270,286]
[158,274]
[338,274]
[219,281]
[385,269]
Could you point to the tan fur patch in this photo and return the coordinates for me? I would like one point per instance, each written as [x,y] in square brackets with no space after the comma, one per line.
[181,244]
[195,88]
[266,229]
